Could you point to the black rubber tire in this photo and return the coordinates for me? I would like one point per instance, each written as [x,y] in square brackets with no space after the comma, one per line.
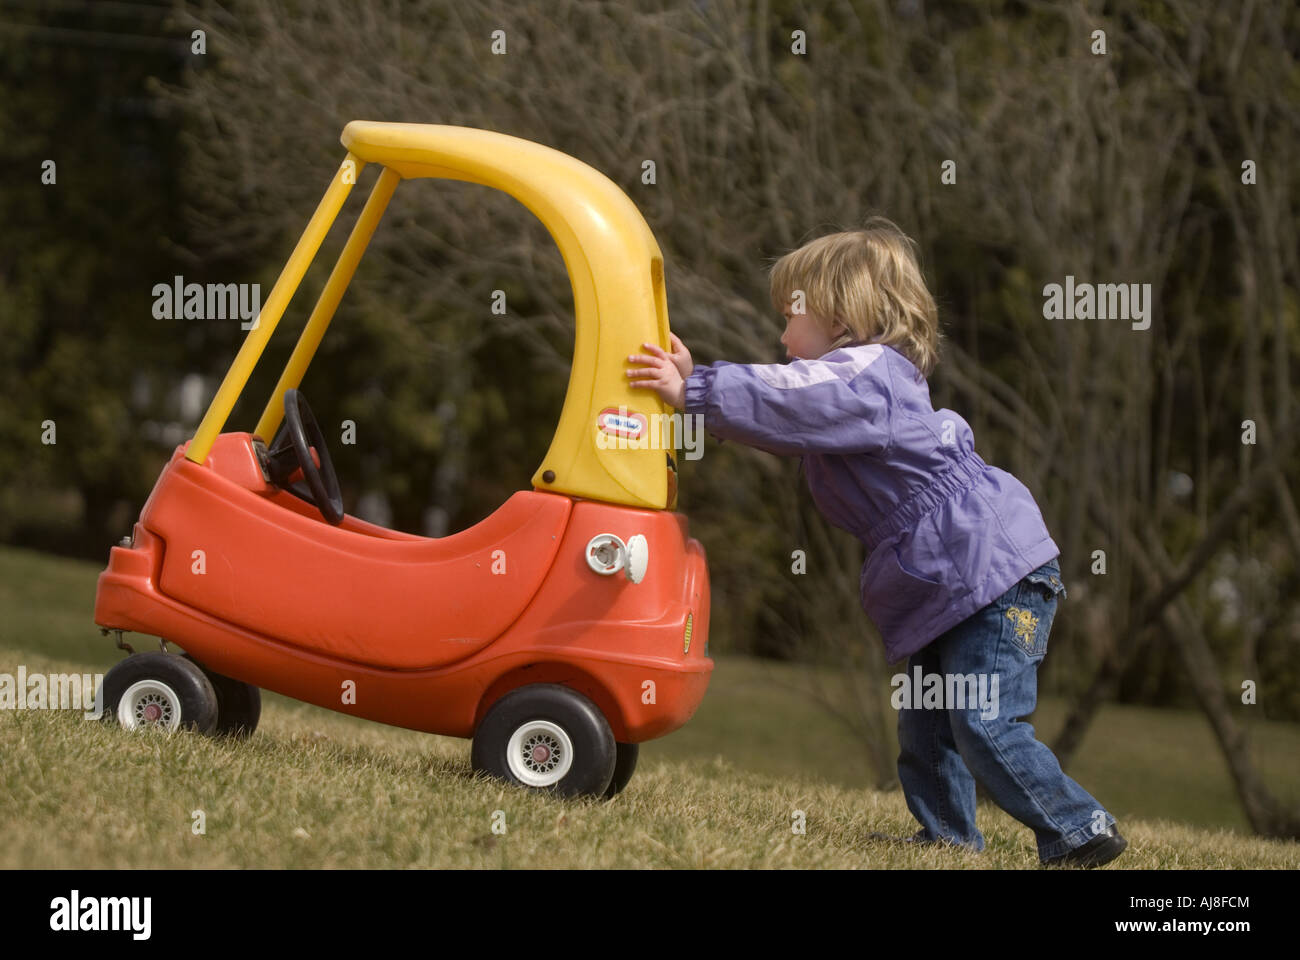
[594,750]
[197,699]
[239,704]
[624,766]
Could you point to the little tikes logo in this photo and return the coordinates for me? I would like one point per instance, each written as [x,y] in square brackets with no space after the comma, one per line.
[618,423]
[76,913]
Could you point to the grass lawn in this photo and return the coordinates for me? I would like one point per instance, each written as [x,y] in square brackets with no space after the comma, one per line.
[314,788]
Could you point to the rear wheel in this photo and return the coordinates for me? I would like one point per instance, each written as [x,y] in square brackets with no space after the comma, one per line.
[159,691]
[547,737]
[239,704]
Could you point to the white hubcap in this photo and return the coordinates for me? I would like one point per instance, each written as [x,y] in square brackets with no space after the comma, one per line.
[539,753]
[149,703]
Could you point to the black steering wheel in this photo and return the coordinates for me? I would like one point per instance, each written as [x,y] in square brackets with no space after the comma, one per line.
[292,448]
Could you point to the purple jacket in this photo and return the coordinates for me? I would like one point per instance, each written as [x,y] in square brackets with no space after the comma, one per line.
[946,534]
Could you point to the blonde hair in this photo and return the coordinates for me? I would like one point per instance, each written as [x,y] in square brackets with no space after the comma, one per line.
[869,280]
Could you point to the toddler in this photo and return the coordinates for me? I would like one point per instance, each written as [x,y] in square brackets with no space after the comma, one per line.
[961,575]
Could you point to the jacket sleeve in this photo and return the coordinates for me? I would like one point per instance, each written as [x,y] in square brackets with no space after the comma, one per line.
[806,406]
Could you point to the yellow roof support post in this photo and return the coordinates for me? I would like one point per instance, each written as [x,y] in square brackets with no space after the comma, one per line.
[328,302]
[283,291]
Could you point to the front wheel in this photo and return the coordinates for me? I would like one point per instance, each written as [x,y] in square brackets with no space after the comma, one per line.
[159,691]
[547,737]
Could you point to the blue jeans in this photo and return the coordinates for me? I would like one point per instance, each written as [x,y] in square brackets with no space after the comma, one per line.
[945,749]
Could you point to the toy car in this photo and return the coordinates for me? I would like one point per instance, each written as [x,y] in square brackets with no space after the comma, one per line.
[518,632]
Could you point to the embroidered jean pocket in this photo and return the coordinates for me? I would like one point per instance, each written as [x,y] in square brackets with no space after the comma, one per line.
[1031,613]
[1028,627]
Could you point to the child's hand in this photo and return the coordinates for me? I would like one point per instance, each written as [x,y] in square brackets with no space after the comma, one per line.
[661,373]
[681,356]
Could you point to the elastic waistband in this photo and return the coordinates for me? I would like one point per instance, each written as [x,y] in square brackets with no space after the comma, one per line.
[960,476]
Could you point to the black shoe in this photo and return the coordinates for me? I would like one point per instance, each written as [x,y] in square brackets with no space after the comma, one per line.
[1101,849]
